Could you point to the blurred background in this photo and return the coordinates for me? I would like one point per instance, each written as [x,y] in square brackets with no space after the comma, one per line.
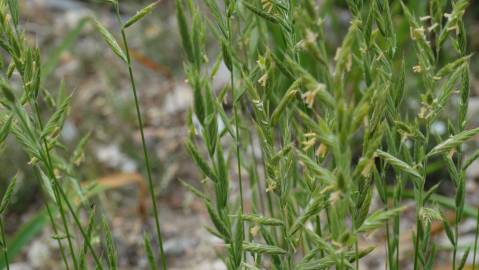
[103,106]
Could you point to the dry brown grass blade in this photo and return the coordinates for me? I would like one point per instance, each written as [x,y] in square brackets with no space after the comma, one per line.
[151,65]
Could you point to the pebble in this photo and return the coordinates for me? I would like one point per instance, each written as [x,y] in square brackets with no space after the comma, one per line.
[38,254]
[20,266]
[179,246]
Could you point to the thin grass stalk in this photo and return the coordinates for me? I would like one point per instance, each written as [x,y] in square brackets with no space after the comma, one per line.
[475,241]
[356,253]
[319,231]
[4,243]
[55,231]
[418,232]
[80,227]
[236,103]
[57,188]
[463,107]
[47,162]
[67,230]
[54,227]
[387,245]
[397,227]
[256,185]
[149,252]
[58,191]
[143,142]
[419,197]
[269,198]
[49,166]
[455,247]
[236,120]
[84,249]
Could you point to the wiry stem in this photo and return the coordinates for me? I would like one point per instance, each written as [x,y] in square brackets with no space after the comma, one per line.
[67,230]
[143,142]
[4,243]
[236,123]
[475,241]
[59,194]
[55,231]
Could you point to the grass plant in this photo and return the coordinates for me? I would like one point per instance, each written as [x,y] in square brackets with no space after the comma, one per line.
[334,130]
[311,146]
[22,95]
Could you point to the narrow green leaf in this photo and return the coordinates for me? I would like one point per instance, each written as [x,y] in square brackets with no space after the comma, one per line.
[262,220]
[195,191]
[110,40]
[363,208]
[218,222]
[110,247]
[263,249]
[237,245]
[222,185]
[14,10]
[317,203]
[470,159]
[200,161]
[288,97]
[377,219]
[323,174]
[398,164]
[7,91]
[149,252]
[249,266]
[453,142]
[91,225]
[55,123]
[261,13]
[464,259]
[457,12]
[5,129]
[226,51]
[450,67]
[328,261]
[7,196]
[47,185]
[78,153]
[140,14]
[184,31]
[449,231]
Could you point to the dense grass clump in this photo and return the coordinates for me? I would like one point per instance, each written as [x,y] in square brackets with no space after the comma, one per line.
[320,132]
